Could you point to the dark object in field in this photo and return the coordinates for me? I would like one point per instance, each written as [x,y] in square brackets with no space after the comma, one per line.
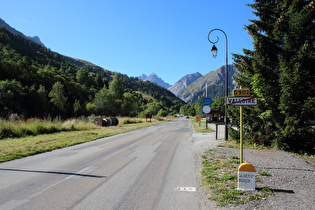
[106,122]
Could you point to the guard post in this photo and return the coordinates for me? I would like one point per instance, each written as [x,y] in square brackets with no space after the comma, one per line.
[246,177]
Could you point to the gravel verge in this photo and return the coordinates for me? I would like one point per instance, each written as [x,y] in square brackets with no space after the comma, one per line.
[292,177]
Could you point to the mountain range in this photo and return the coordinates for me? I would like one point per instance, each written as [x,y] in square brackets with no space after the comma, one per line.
[192,86]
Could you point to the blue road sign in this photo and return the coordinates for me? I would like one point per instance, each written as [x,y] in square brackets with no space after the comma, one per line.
[206,101]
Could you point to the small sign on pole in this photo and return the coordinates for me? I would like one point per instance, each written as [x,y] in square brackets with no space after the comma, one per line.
[206,101]
[148,116]
[206,109]
[241,92]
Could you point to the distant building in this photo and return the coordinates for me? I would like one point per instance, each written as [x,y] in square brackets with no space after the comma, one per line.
[215,115]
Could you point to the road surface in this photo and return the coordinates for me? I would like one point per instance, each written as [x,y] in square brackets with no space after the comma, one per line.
[150,168]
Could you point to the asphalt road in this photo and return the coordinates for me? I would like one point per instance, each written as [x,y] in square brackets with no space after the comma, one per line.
[151,168]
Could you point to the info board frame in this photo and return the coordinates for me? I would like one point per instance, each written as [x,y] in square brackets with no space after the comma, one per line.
[241,101]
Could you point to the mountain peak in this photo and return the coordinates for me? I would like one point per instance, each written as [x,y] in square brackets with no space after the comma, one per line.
[143,77]
[16,32]
[155,79]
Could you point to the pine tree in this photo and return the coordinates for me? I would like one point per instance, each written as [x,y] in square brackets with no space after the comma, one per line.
[279,71]
[259,70]
[295,29]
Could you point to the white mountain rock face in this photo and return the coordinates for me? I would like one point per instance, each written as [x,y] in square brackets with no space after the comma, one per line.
[155,79]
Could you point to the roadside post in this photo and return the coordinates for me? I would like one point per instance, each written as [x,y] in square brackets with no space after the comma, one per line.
[216,131]
[246,177]
[206,102]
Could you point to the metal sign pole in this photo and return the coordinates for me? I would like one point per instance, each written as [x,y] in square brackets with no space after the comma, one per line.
[241,134]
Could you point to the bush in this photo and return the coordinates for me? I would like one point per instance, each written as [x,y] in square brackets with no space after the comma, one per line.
[129,121]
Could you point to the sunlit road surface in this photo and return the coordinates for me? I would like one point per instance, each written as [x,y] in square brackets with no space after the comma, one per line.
[151,168]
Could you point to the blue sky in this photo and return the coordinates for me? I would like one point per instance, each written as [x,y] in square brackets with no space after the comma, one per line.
[134,37]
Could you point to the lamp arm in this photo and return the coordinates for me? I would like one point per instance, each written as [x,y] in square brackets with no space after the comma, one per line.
[216,29]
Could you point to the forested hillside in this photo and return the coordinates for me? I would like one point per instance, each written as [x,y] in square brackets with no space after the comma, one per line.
[36,82]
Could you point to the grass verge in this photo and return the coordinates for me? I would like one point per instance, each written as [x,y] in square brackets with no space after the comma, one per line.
[219,174]
[14,148]
[201,128]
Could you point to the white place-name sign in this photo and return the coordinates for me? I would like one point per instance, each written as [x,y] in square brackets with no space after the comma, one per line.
[246,180]
[246,177]
[241,101]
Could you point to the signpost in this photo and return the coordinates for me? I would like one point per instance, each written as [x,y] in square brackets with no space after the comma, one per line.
[246,175]
[197,117]
[241,101]
[148,116]
[206,101]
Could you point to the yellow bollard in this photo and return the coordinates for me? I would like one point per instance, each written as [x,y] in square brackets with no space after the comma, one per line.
[246,177]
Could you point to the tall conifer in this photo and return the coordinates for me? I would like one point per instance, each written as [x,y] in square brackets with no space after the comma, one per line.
[280,72]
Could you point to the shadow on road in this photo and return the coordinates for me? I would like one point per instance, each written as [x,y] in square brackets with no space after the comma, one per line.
[53,172]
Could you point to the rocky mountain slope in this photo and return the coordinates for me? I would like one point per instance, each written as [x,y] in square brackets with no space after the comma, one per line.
[184,82]
[155,79]
[214,80]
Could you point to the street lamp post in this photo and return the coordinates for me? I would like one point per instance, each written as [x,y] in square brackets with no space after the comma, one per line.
[214,51]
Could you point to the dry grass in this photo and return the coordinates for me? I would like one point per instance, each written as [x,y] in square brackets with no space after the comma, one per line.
[73,132]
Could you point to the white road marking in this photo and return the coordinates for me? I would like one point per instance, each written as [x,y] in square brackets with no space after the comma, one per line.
[186,189]
[113,154]
[164,138]
[69,177]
